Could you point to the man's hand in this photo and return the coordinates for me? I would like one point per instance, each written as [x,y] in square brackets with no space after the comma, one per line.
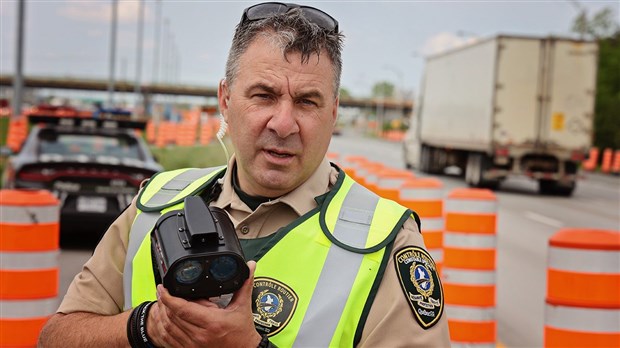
[176,322]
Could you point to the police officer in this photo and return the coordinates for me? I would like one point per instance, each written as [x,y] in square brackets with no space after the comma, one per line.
[332,264]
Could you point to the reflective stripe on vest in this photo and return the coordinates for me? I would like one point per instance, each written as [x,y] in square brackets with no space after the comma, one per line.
[334,286]
[175,184]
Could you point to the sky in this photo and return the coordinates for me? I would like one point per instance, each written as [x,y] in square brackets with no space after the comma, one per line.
[384,40]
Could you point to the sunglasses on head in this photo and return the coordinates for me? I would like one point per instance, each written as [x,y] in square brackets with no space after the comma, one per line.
[268,9]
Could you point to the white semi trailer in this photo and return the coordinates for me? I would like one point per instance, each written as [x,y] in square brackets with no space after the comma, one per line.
[507,106]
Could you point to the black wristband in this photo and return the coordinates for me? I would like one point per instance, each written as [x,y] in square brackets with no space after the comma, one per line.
[131,324]
[142,325]
[136,327]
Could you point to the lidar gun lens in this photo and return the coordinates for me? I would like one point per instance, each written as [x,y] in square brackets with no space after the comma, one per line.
[224,268]
[188,272]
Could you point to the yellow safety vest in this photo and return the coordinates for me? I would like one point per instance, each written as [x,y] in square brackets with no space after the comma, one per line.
[316,281]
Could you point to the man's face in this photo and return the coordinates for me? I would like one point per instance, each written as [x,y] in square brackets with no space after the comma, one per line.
[281,114]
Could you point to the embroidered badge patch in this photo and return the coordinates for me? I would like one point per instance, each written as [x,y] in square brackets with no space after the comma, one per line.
[273,305]
[420,283]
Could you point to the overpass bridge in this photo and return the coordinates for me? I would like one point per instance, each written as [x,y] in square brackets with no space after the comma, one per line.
[386,105]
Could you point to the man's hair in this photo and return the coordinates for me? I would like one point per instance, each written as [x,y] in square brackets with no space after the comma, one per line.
[293,33]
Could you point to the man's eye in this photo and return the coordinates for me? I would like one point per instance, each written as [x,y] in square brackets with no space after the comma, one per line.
[262,96]
[308,102]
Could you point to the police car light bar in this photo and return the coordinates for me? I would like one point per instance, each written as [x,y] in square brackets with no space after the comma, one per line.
[87,122]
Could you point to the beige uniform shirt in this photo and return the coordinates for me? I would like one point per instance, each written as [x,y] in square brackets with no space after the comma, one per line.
[98,288]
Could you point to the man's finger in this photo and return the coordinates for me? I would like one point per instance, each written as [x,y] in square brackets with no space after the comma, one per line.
[188,316]
[161,330]
[243,296]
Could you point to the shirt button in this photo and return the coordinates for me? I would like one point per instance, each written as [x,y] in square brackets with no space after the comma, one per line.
[245,229]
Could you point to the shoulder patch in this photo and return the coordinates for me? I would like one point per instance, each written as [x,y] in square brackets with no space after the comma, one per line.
[273,305]
[421,285]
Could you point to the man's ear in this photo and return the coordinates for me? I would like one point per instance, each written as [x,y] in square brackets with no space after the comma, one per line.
[223,96]
[335,111]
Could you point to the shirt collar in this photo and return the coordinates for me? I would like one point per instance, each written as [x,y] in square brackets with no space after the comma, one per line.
[301,200]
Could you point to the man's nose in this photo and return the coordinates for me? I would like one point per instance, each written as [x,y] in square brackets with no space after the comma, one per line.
[284,122]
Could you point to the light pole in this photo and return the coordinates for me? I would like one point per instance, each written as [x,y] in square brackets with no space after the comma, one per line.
[399,75]
[416,55]
[166,48]
[157,42]
[137,89]
[18,79]
[381,111]
[112,53]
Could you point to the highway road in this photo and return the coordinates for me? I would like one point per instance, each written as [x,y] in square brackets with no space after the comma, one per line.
[526,221]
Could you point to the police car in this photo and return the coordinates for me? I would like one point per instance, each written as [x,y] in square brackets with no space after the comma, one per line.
[94,166]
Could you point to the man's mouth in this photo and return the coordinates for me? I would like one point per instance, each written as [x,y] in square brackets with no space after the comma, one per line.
[278,154]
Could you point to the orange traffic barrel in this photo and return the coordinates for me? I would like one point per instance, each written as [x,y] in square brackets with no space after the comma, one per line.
[350,164]
[606,162]
[164,130]
[386,182]
[206,132]
[363,170]
[583,289]
[29,233]
[151,132]
[425,197]
[17,133]
[469,266]
[167,133]
[185,134]
[615,167]
[591,162]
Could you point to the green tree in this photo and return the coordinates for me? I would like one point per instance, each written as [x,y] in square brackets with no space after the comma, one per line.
[599,26]
[383,89]
[344,93]
[607,109]
[580,24]
[603,27]
[603,24]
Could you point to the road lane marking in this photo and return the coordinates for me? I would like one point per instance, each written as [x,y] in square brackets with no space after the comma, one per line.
[543,219]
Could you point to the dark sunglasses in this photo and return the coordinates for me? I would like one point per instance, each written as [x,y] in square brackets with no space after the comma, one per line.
[268,9]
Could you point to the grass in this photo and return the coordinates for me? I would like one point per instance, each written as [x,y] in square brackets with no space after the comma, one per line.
[198,156]
[4,129]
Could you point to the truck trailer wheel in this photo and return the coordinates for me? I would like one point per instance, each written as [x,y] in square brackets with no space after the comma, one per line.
[477,165]
[406,155]
[552,187]
[425,159]
[431,160]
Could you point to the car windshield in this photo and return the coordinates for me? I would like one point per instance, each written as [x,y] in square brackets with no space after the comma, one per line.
[121,146]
